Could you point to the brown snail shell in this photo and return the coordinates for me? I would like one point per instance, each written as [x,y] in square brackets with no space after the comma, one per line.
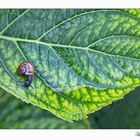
[27,69]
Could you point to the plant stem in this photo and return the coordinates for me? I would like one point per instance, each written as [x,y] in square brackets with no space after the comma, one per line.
[86,122]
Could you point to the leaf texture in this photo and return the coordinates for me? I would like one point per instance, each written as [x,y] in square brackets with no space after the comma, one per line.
[83,59]
[15,114]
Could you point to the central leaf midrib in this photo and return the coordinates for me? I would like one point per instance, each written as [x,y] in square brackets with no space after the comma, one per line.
[71,47]
[74,101]
[34,41]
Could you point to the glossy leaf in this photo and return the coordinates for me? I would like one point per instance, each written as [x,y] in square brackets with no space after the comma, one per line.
[83,59]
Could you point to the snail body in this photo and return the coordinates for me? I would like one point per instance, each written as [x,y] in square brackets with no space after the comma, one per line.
[26,69]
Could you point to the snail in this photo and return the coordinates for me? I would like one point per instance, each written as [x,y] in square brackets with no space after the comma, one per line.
[26,69]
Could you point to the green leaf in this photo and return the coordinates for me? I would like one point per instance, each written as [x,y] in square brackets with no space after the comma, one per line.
[17,114]
[83,59]
[123,114]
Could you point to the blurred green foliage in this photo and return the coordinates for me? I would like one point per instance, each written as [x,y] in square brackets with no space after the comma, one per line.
[124,113]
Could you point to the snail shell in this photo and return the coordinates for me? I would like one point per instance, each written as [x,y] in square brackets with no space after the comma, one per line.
[27,69]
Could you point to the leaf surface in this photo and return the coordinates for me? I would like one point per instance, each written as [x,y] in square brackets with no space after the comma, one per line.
[15,114]
[83,59]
